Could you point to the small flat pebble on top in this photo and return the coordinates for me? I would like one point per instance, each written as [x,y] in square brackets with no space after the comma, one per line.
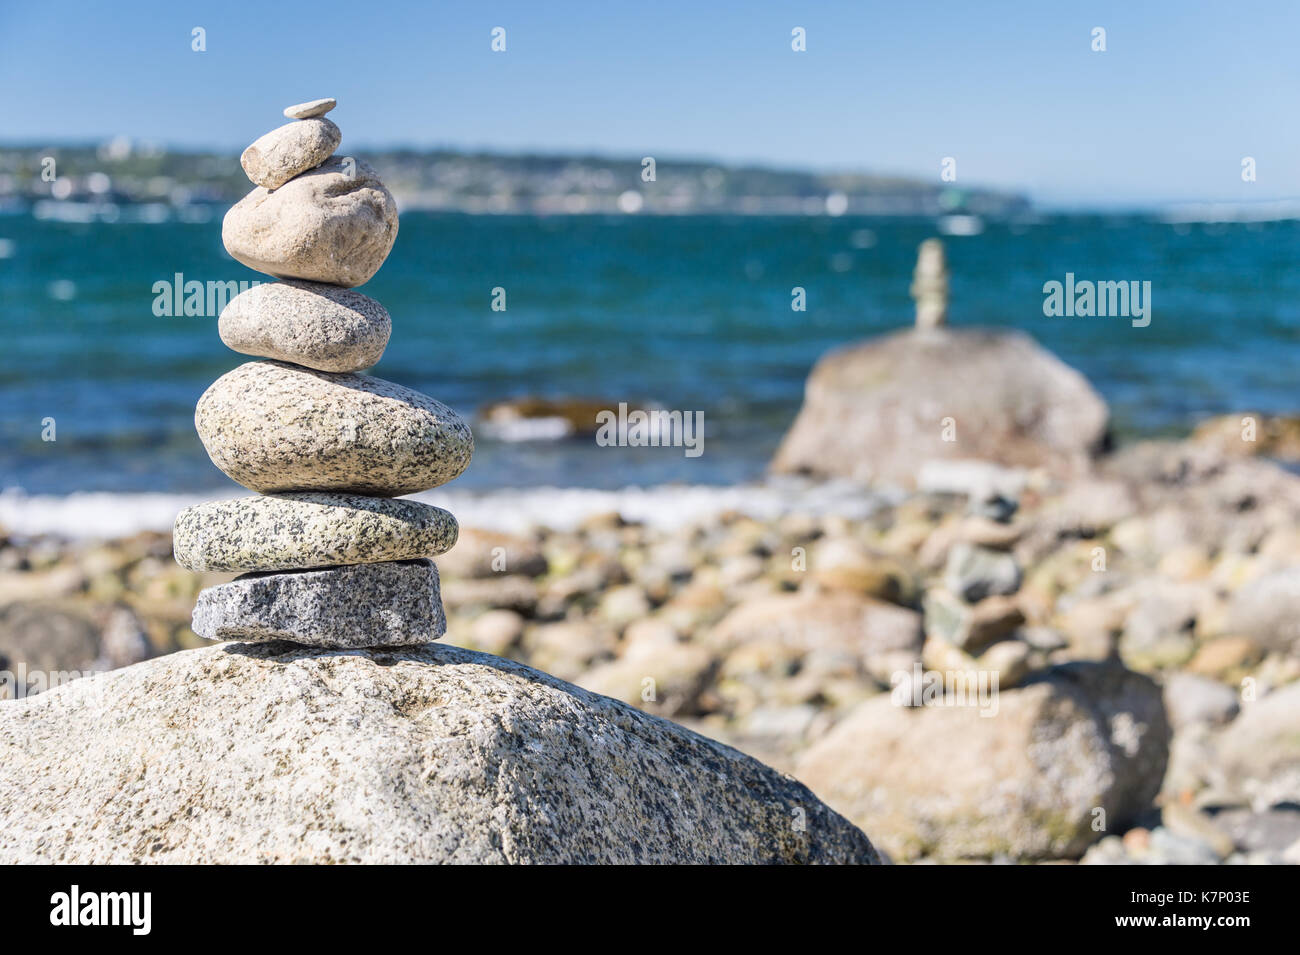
[310,109]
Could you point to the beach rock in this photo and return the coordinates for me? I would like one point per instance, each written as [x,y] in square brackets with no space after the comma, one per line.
[497,631]
[335,223]
[1009,659]
[970,627]
[508,591]
[664,678]
[1190,824]
[296,531]
[272,753]
[1196,699]
[843,563]
[274,427]
[877,411]
[869,636]
[1158,632]
[1269,830]
[311,108]
[361,605]
[569,648]
[290,149]
[1018,775]
[532,417]
[1225,656]
[1267,610]
[974,573]
[308,323]
[485,554]
[39,638]
[1249,433]
[123,640]
[1259,751]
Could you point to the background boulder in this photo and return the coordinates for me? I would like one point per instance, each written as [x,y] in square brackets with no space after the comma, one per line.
[875,411]
[1023,779]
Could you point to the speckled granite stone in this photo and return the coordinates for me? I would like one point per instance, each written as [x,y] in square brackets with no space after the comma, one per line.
[274,427]
[271,753]
[335,223]
[296,531]
[288,150]
[308,323]
[361,605]
[315,107]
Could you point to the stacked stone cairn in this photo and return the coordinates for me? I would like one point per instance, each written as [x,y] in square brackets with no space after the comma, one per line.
[930,285]
[329,553]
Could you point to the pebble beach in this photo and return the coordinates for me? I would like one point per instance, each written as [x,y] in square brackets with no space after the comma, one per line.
[785,636]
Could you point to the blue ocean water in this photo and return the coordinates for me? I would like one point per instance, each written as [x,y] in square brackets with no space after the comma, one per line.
[690,313]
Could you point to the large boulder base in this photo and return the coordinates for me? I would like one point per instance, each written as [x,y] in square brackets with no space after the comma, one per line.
[876,411]
[276,753]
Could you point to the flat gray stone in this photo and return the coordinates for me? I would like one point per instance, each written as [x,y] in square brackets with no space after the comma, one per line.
[361,605]
[270,753]
[276,427]
[974,573]
[299,531]
[315,107]
[308,323]
[289,150]
[335,223]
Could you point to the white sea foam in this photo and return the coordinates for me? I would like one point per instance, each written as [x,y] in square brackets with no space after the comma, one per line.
[108,515]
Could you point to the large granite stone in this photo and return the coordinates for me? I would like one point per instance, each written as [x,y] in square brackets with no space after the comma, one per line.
[296,531]
[248,753]
[274,427]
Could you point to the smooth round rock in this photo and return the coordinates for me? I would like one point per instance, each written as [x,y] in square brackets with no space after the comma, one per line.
[335,223]
[308,323]
[362,605]
[288,150]
[300,531]
[310,109]
[274,427]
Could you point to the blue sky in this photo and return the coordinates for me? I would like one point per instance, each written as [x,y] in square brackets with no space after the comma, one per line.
[1012,90]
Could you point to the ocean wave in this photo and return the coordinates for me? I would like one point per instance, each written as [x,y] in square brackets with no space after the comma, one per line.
[103,515]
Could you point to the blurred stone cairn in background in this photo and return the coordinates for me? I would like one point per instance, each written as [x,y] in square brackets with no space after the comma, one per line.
[330,556]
